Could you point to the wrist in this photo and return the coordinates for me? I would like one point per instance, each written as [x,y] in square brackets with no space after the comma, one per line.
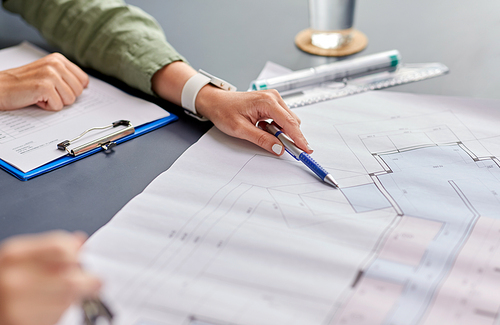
[208,100]
[198,84]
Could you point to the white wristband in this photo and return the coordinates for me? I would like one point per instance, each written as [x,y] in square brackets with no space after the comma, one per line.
[190,91]
[193,86]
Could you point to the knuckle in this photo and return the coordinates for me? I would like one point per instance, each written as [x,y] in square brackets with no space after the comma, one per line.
[44,85]
[55,60]
[274,93]
[55,57]
[292,121]
[269,94]
[266,99]
[270,97]
[48,71]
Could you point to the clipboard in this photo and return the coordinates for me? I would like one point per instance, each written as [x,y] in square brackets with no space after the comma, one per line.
[68,159]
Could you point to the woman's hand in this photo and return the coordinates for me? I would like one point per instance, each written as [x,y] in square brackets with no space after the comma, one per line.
[237,113]
[234,113]
[50,82]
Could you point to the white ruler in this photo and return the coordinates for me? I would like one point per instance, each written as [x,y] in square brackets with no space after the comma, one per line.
[404,74]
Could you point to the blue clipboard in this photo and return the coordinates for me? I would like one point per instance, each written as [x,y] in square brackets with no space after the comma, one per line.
[65,160]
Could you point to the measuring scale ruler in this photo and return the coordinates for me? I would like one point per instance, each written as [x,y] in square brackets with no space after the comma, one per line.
[405,73]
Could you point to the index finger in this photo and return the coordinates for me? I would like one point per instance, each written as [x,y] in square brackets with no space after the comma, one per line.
[290,123]
[285,106]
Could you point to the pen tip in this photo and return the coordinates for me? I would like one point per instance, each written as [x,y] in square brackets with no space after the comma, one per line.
[331,181]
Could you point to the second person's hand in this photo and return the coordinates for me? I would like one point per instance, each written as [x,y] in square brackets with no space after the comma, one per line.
[40,277]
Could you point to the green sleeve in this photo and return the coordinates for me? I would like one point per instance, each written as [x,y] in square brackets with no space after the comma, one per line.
[109,36]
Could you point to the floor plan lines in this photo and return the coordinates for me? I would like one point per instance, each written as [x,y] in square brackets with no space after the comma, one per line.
[441,191]
[233,235]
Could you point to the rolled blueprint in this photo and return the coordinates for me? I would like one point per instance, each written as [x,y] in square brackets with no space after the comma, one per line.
[330,72]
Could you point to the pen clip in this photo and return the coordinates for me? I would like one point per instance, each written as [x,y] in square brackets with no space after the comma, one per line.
[94,310]
[106,142]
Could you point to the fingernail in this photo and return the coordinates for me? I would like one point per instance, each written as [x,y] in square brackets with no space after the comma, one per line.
[309,147]
[277,148]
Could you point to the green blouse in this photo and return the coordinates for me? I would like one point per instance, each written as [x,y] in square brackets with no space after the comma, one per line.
[109,36]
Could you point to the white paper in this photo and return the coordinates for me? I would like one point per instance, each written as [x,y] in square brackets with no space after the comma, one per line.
[233,235]
[272,70]
[29,136]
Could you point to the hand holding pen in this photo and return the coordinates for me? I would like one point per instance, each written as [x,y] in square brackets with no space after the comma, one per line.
[298,154]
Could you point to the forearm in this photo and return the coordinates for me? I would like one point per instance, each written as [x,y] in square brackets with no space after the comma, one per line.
[124,42]
[118,40]
[169,81]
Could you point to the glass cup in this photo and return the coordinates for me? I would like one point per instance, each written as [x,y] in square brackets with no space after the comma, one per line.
[331,22]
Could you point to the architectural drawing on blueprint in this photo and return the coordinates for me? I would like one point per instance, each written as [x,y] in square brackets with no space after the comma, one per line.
[441,192]
[280,222]
[412,237]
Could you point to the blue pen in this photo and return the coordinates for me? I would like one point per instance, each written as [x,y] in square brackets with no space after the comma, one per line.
[300,155]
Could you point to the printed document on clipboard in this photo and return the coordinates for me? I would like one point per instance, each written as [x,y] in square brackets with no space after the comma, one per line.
[29,137]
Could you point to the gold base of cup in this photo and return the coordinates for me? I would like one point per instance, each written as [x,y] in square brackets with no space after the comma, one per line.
[358,43]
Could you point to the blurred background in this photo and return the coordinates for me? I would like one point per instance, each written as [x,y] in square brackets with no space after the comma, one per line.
[233,39]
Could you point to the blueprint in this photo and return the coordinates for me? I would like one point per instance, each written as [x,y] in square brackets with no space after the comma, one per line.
[233,235]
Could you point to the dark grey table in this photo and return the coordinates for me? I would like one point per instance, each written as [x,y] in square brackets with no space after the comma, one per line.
[234,39]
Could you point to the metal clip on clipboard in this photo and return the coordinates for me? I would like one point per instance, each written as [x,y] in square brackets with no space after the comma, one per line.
[106,142]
